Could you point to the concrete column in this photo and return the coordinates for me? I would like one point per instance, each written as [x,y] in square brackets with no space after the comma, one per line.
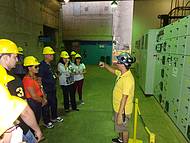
[122,24]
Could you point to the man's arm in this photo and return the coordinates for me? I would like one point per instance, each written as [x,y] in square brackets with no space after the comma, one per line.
[43,71]
[107,67]
[33,94]
[29,118]
[121,108]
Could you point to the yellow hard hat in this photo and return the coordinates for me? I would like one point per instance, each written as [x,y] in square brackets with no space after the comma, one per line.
[20,50]
[11,107]
[73,53]
[64,54]
[30,61]
[5,78]
[78,56]
[48,51]
[8,47]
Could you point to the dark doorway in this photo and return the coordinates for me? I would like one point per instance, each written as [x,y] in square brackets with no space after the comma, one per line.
[49,36]
[49,39]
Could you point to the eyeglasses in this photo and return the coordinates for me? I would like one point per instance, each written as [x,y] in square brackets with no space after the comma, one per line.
[36,67]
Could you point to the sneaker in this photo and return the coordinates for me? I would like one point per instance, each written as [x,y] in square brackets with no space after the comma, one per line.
[67,110]
[81,102]
[49,125]
[58,119]
[117,140]
[76,109]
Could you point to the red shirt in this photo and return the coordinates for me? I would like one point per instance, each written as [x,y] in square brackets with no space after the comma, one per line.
[29,82]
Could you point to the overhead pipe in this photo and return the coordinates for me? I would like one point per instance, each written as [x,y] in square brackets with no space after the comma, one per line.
[175,7]
[187,3]
[171,5]
[178,8]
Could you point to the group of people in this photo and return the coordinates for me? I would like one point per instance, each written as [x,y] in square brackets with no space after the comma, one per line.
[30,92]
[34,86]
[71,78]
[24,126]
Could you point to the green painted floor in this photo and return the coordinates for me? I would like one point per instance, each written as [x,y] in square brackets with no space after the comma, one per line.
[93,123]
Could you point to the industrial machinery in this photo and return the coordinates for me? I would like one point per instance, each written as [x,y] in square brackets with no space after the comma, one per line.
[172,73]
[147,61]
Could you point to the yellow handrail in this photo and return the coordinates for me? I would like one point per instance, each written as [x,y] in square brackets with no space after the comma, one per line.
[134,139]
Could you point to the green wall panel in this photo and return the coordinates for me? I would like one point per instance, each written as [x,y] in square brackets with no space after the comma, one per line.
[92,52]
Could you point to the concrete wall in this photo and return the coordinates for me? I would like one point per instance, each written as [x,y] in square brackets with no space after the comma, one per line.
[87,21]
[22,21]
[145,15]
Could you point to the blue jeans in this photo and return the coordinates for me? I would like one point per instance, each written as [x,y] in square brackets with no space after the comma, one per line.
[29,137]
[52,103]
[36,108]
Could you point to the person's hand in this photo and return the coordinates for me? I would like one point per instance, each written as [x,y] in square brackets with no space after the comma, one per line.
[43,138]
[77,72]
[67,63]
[80,73]
[39,135]
[101,64]
[119,119]
[57,75]
[39,80]
[44,101]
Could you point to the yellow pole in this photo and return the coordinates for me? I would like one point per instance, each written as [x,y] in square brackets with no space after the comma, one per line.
[151,135]
[135,140]
[135,120]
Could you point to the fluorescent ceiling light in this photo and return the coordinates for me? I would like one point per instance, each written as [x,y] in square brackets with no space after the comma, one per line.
[66,1]
[114,4]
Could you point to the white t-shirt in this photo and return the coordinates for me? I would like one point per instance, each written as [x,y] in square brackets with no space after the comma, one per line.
[66,77]
[79,69]
[17,135]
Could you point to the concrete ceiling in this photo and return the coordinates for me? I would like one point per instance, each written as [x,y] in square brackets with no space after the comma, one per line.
[90,0]
[54,4]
